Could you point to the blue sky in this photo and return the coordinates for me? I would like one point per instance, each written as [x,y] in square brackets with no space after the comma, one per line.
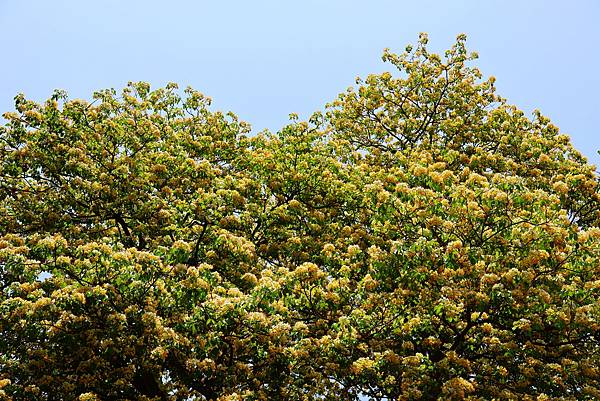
[266,59]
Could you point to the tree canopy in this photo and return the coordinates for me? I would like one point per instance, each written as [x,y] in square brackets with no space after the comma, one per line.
[419,239]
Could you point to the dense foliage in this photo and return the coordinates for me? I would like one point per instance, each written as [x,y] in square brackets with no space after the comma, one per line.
[419,240]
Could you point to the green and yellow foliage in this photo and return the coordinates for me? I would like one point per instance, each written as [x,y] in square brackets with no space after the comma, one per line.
[421,239]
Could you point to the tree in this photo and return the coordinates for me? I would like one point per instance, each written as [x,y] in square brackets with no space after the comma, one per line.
[419,240]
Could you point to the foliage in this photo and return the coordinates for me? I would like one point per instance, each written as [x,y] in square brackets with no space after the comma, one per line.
[421,239]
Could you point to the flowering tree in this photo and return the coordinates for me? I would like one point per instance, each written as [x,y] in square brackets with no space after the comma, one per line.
[419,240]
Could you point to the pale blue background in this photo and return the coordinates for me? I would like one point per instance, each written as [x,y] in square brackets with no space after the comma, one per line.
[266,59]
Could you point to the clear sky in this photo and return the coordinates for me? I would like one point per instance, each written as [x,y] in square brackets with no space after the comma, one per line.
[266,59]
